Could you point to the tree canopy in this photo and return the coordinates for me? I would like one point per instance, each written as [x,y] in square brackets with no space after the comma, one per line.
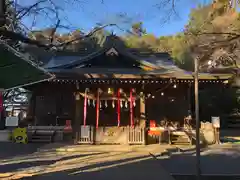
[211,33]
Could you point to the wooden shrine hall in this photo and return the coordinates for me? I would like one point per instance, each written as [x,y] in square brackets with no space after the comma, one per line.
[109,95]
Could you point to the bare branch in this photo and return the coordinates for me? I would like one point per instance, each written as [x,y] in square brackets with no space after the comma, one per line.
[25,11]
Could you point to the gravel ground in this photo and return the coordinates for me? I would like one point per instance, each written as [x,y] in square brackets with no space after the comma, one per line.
[215,160]
[224,160]
[77,165]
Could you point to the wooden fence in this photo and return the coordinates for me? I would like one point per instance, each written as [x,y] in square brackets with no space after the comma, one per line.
[133,136]
[136,136]
[86,135]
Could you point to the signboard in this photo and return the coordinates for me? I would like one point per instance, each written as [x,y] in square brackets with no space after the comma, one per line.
[216,122]
[11,121]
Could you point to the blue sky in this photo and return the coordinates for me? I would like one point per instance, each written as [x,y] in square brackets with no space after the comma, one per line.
[84,14]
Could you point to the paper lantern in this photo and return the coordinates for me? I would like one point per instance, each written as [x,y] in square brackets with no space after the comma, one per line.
[121,104]
[110,91]
[126,104]
[134,103]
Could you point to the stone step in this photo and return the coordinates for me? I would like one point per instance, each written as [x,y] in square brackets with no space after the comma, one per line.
[40,140]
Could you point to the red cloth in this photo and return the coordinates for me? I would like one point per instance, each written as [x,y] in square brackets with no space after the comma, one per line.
[118,107]
[131,108]
[68,125]
[97,110]
[85,109]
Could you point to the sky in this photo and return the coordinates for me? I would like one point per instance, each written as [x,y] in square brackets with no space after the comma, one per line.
[85,14]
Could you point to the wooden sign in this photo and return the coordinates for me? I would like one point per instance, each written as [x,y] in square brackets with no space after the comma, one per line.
[216,122]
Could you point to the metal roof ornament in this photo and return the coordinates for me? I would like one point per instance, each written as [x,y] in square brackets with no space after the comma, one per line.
[112,52]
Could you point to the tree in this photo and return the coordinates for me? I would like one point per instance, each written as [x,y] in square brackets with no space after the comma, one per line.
[137,29]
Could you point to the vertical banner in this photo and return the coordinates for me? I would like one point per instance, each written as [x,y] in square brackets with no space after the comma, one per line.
[118,107]
[131,107]
[85,108]
[97,109]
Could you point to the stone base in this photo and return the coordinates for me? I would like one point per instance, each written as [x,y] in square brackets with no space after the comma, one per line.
[4,136]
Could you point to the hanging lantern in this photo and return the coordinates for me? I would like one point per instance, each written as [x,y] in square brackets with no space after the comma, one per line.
[106,104]
[113,104]
[134,103]
[110,90]
[93,103]
[120,90]
[126,104]
[89,102]
[121,104]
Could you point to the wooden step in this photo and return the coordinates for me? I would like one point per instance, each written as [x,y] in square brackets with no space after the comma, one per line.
[40,138]
[180,140]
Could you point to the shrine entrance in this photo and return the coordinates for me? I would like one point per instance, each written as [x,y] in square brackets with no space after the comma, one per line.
[110,116]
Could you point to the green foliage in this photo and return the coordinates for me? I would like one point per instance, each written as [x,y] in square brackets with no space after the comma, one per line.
[137,29]
[202,19]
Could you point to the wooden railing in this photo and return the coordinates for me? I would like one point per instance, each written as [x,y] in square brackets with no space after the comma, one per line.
[136,135]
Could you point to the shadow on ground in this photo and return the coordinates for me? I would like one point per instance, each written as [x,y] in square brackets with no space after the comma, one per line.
[10,150]
[140,168]
[220,163]
[216,163]
[217,160]
[6,168]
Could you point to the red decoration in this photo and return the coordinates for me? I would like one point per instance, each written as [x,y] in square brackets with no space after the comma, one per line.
[85,108]
[131,108]
[152,123]
[118,107]
[68,126]
[97,110]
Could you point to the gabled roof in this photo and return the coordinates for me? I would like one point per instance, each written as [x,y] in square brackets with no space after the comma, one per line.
[156,61]
[161,64]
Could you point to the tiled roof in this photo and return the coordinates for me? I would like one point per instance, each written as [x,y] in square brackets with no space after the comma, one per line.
[98,44]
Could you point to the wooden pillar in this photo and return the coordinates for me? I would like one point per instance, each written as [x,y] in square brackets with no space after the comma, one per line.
[189,97]
[142,109]
[77,118]
[143,116]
